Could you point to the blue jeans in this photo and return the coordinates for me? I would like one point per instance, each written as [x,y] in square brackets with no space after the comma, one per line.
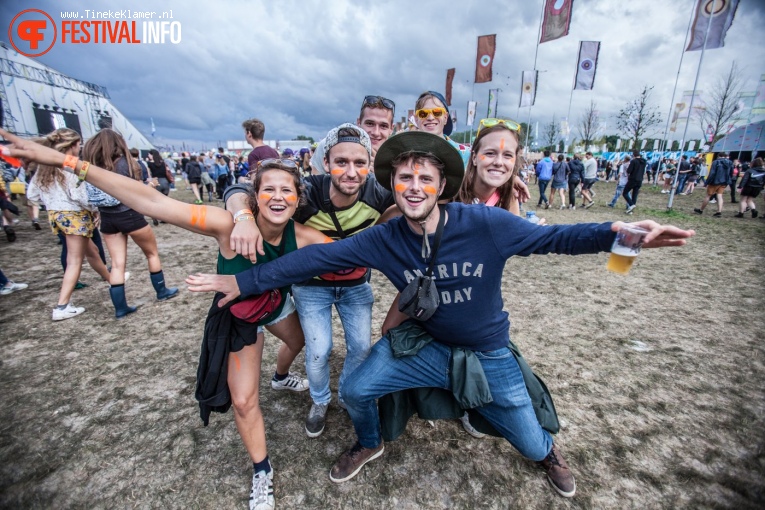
[619,189]
[681,180]
[510,413]
[314,305]
[542,187]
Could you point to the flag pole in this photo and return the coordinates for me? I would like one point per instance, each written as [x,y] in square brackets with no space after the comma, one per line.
[536,76]
[690,112]
[674,90]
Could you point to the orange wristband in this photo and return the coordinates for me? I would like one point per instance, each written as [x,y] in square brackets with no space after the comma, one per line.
[70,161]
[83,173]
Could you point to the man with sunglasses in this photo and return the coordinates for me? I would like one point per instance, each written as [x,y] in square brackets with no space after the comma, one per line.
[467,255]
[341,203]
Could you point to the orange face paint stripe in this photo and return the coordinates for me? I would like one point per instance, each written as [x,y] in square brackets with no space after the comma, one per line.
[429,189]
[328,240]
[237,362]
[290,198]
[198,216]
[336,171]
[482,157]
[502,144]
[400,188]
[265,196]
[364,171]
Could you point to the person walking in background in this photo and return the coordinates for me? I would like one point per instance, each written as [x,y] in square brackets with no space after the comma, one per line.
[544,174]
[559,181]
[194,175]
[590,178]
[683,172]
[8,287]
[692,177]
[221,175]
[621,181]
[751,186]
[635,172]
[69,213]
[718,180]
[575,175]
[107,149]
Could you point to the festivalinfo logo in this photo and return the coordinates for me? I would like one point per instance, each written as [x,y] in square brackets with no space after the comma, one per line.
[33,32]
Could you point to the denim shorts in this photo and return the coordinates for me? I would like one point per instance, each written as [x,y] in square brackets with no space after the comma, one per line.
[289,308]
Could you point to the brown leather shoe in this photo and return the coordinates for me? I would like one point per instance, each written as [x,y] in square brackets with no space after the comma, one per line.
[558,473]
[350,463]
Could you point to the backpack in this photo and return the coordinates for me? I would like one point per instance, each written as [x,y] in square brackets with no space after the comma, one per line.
[756,179]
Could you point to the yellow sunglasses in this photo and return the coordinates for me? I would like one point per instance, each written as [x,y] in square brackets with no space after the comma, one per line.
[487,123]
[436,112]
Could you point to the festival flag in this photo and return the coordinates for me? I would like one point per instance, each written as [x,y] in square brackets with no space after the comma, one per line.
[713,32]
[632,142]
[564,130]
[453,114]
[536,130]
[557,18]
[691,145]
[528,88]
[485,58]
[642,144]
[449,80]
[491,111]
[758,108]
[656,145]
[618,143]
[410,117]
[153,129]
[471,112]
[675,116]
[586,65]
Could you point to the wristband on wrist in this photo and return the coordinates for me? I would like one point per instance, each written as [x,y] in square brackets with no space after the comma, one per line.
[244,217]
[83,173]
[243,212]
[70,161]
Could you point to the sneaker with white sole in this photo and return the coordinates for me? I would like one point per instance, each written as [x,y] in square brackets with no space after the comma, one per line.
[262,492]
[350,463]
[465,419]
[317,417]
[558,473]
[67,313]
[291,382]
[12,287]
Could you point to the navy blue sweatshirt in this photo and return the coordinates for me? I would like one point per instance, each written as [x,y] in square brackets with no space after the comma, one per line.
[477,241]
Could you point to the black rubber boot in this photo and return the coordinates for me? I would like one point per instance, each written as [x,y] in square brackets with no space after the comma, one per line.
[755,213]
[121,308]
[163,293]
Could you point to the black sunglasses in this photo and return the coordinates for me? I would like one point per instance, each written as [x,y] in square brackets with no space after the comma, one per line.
[379,100]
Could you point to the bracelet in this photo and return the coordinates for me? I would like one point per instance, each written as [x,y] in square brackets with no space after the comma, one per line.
[244,217]
[83,172]
[70,161]
[242,212]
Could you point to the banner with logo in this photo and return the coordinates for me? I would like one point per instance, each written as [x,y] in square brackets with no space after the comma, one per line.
[586,65]
[528,88]
[449,81]
[713,19]
[491,111]
[485,58]
[557,18]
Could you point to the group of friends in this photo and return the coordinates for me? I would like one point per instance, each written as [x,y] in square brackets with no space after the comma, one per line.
[438,219]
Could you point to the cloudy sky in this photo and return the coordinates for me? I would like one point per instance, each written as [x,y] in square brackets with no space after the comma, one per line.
[303,66]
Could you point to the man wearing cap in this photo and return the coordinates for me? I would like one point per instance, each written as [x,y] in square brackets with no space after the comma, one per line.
[340,204]
[468,260]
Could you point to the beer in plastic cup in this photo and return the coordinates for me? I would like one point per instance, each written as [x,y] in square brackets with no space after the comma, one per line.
[626,247]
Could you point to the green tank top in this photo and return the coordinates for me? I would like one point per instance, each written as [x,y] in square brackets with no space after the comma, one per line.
[239,263]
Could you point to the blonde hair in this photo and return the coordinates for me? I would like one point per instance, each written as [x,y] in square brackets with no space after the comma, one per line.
[61,140]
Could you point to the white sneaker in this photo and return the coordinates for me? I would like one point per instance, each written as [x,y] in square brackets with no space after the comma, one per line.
[291,382]
[469,428]
[67,313]
[12,287]
[262,492]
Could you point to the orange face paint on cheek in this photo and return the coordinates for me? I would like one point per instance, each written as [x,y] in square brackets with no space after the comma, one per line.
[336,171]
[290,199]
[266,196]
[482,157]
[363,171]
[400,187]
[429,189]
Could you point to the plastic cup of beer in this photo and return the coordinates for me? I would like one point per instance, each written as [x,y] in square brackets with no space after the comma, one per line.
[626,247]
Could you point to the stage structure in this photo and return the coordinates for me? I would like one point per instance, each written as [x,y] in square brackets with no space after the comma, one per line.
[37,99]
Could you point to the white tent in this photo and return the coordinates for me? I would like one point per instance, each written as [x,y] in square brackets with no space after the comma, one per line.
[37,99]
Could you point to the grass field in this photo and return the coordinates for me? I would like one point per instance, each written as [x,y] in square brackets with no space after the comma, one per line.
[657,375]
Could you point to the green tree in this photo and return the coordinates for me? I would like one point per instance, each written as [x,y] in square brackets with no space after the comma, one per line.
[638,117]
[303,137]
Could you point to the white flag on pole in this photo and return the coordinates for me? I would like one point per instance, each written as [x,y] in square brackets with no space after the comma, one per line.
[471,112]
[642,145]
[618,143]
[656,145]
[528,88]
[691,145]
[586,65]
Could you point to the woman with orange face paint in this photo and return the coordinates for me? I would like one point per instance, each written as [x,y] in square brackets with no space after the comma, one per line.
[278,193]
